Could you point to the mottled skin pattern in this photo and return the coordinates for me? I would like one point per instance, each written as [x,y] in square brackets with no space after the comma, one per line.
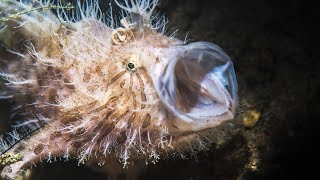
[89,88]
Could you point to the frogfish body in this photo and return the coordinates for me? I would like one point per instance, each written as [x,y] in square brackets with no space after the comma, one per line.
[95,91]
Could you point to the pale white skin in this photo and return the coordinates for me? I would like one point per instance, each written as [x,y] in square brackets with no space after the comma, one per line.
[102,93]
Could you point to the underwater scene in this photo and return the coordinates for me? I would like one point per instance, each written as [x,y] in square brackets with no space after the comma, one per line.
[158,89]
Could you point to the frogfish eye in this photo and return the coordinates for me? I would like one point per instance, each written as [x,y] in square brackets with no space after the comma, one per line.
[130,65]
[199,86]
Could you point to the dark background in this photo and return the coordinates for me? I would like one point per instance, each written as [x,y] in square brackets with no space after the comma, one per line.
[274,46]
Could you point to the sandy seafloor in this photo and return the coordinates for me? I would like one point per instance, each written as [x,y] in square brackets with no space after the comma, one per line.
[274,48]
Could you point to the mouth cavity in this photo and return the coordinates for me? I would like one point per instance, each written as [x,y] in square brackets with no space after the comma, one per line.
[199,86]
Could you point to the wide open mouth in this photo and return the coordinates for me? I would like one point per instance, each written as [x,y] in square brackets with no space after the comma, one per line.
[191,92]
[199,85]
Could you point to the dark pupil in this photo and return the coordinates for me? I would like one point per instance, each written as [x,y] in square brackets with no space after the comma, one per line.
[131,66]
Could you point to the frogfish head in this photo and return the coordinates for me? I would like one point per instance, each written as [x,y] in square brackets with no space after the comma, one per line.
[186,87]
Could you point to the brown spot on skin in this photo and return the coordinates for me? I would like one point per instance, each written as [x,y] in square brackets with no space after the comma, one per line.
[131,82]
[71,87]
[68,118]
[133,94]
[107,131]
[147,121]
[122,83]
[101,123]
[80,131]
[75,112]
[76,144]
[67,84]
[93,88]
[108,115]
[110,128]
[65,80]
[58,74]
[49,68]
[143,94]
[87,75]
[19,148]
[38,149]
[134,100]
[126,99]
[131,118]
[157,60]
[108,104]
[52,95]
[122,137]
[94,118]
[116,97]
[116,77]
[144,135]
[99,126]
[122,115]
[98,70]
[55,135]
